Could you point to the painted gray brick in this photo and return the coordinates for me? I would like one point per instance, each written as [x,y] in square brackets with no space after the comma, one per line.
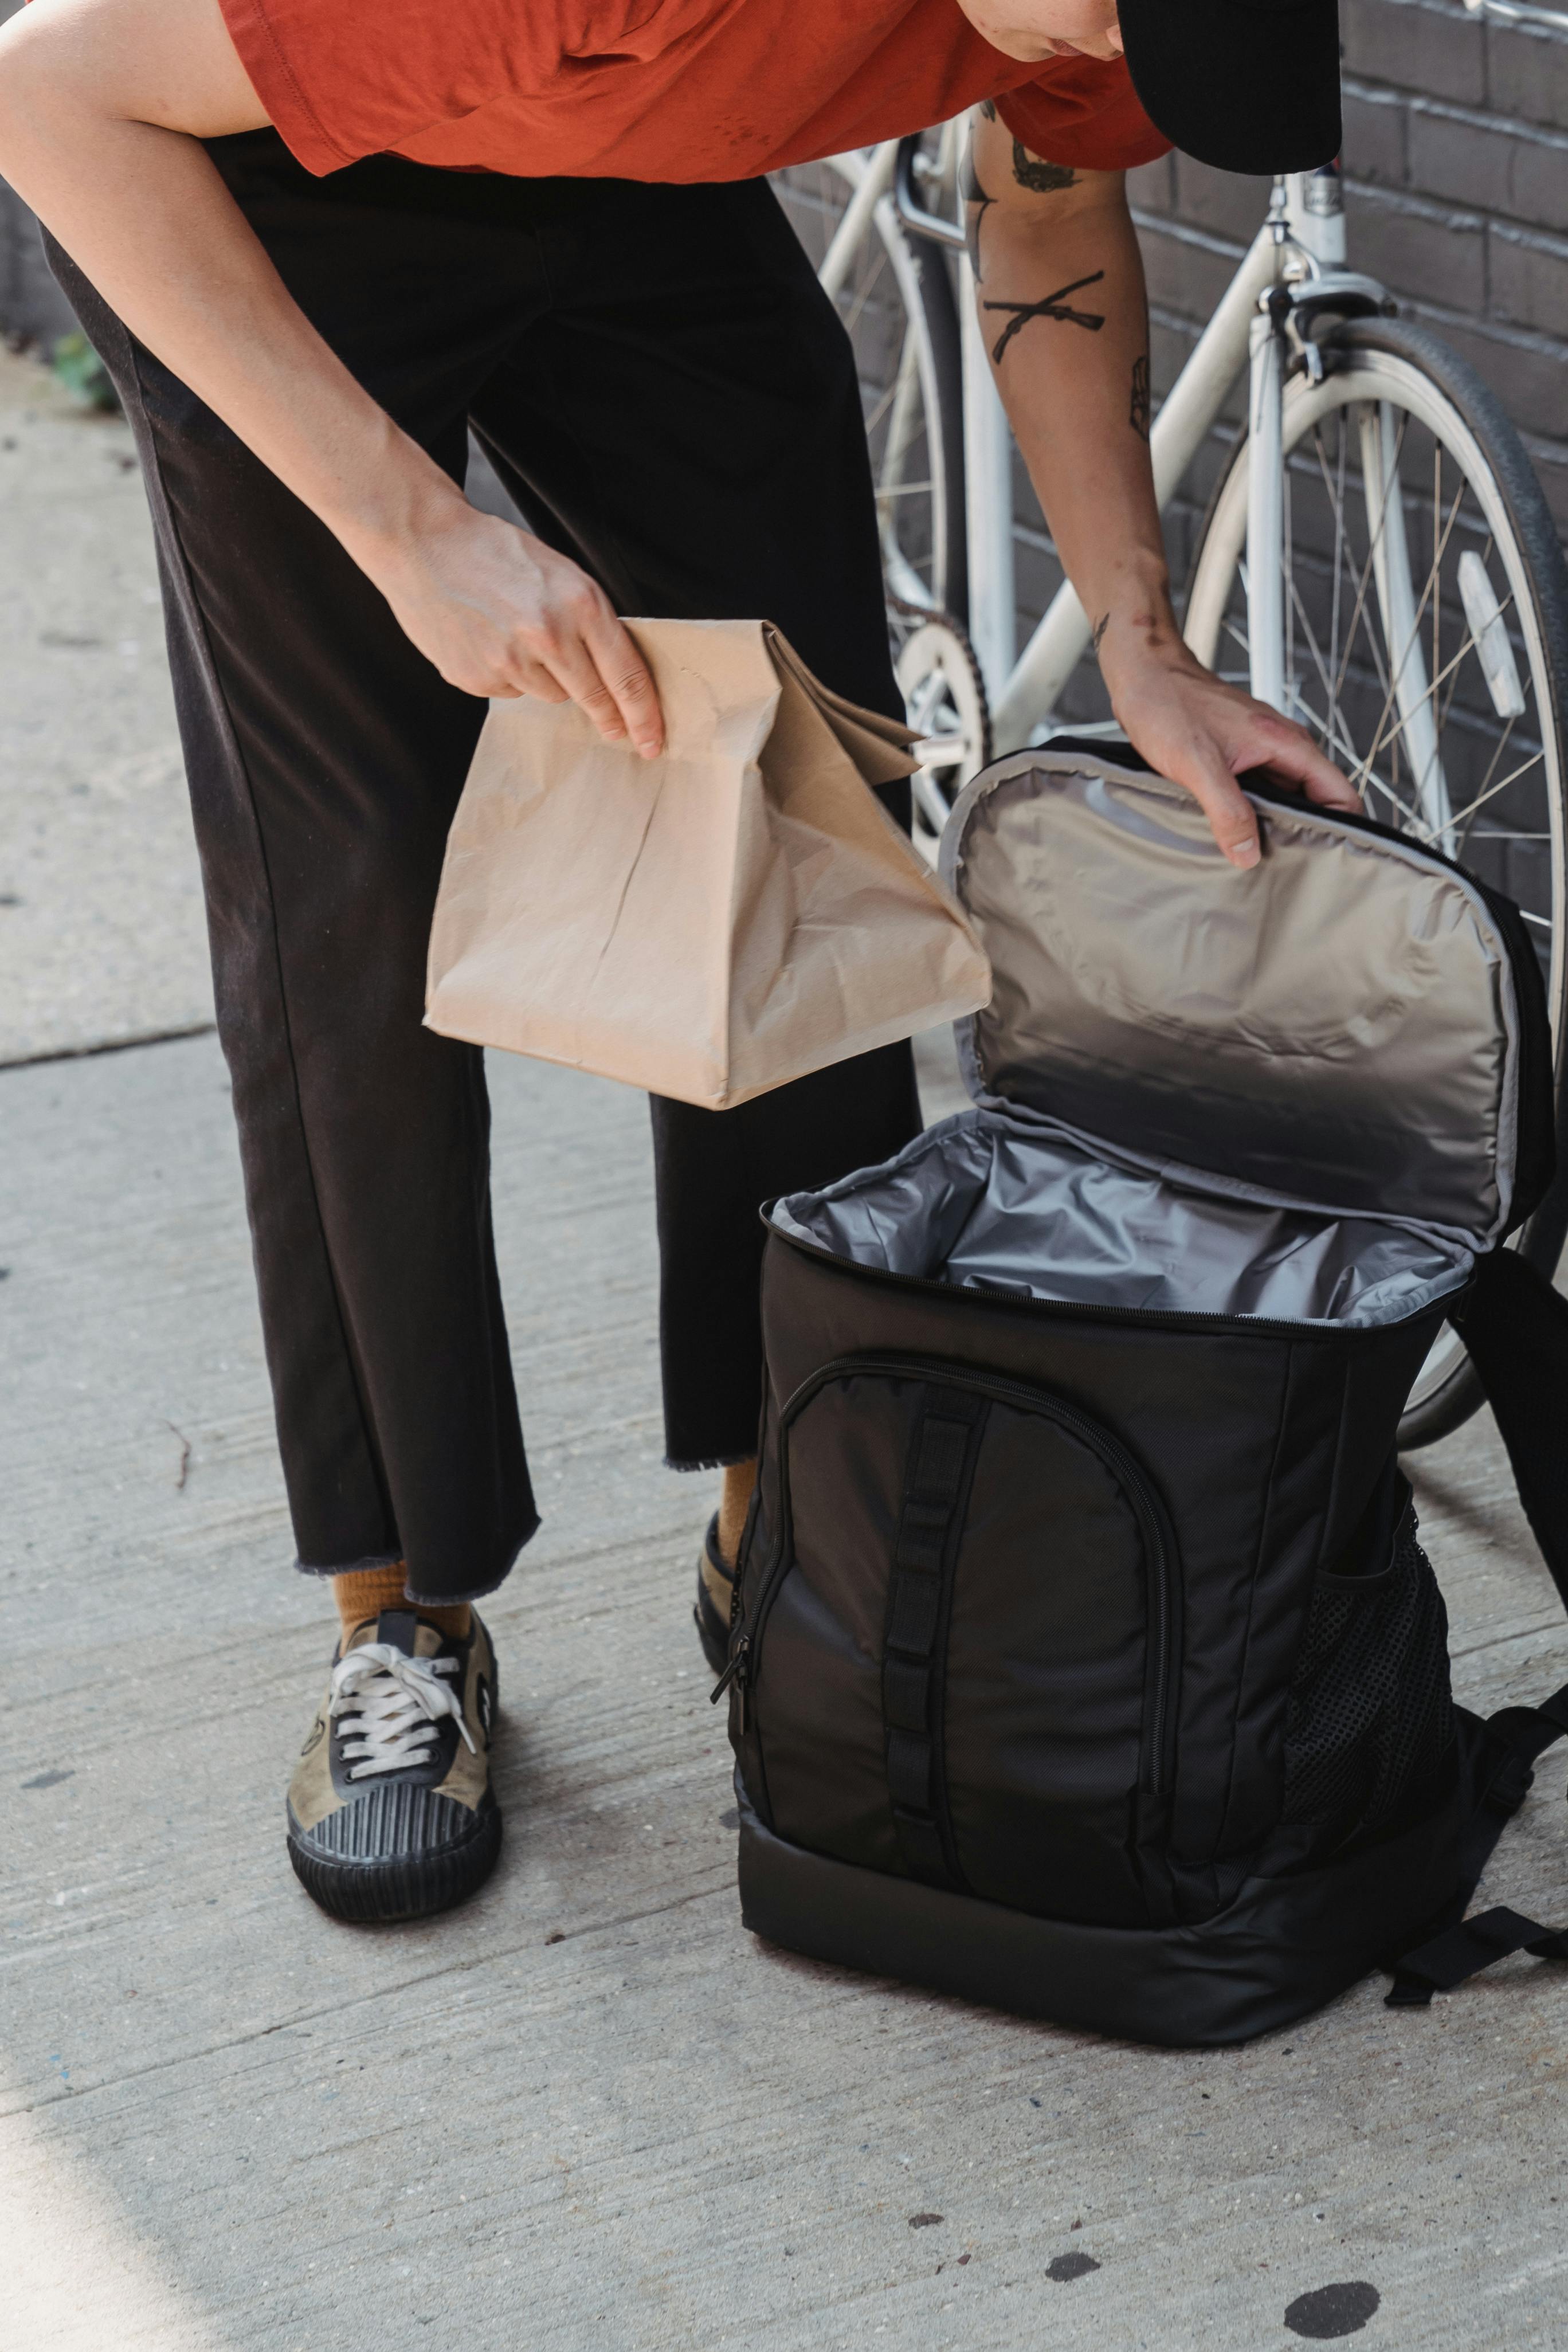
[1527,372]
[1153,186]
[1170,347]
[1184,273]
[1466,158]
[1418,248]
[1376,124]
[1227,204]
[1550,459]
[1528,280]
[1417,45]
[1478,159]
[1540,183]
[1527,74]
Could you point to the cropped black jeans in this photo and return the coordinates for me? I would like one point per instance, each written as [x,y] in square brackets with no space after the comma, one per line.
[668,396]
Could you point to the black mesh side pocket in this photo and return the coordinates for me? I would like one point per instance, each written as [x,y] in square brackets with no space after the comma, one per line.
[1369,1716]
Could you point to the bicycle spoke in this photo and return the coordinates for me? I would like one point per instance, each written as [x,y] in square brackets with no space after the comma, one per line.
[1327,723]
[1398,668]
[1503,781]
[874,417]
[1430,695]
[852,316]
[1327,726]
[1362,584]
[1449,699]
[1366,573]
[1336,501]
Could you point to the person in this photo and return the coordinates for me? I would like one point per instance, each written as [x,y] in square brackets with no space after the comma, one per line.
[316,241]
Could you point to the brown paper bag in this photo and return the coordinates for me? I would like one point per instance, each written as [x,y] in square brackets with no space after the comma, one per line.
[708,924]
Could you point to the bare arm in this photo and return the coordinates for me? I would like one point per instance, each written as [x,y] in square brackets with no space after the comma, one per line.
[1062,308]
[103,104]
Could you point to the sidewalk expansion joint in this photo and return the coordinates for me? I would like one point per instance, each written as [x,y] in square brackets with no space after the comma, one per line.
[108,1045]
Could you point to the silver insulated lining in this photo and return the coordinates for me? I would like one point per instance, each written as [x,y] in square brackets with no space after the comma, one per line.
[1286,1094]
[993,1200]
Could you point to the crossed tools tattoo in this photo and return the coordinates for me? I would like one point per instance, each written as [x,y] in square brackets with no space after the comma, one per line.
[1052,306]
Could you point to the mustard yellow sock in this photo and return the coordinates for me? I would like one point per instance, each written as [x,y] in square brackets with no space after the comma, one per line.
[734,1502]
[456,1618]
[366,1591]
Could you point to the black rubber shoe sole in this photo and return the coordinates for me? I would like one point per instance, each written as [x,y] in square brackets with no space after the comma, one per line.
[712,1630]
[401,1887]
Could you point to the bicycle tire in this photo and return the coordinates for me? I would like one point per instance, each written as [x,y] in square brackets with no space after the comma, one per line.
[1369,353]
[939,304]
[895,294]
[931,313]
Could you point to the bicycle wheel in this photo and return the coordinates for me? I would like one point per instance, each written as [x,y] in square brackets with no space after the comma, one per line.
[896,300]
[1426,648]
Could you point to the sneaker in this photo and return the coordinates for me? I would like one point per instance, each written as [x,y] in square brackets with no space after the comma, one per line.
[715,1590]
[391,1814]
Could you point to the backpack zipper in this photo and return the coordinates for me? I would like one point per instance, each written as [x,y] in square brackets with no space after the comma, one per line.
[1154,1527]
[738,1672]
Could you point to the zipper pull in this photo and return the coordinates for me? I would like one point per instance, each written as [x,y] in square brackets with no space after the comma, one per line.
[736,1672]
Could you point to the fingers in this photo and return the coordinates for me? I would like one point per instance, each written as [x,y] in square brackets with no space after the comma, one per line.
[499,612]
[590,659]
[1202,733]
[532,678]
[626,681]
[1292,753]
[1229,812]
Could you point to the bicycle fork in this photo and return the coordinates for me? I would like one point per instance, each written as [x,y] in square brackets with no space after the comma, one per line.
[1266,551]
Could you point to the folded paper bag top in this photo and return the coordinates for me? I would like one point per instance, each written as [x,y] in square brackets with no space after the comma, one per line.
[708,924]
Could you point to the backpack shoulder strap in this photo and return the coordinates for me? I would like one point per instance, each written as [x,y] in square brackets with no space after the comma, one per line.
[1515,1326]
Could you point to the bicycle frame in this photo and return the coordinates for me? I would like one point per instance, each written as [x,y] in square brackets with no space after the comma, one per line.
[1301,245]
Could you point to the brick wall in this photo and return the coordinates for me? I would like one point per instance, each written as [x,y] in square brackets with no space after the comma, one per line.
[1456,164]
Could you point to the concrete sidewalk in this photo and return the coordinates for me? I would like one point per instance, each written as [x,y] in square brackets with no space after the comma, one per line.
[101,935]
[589,2111]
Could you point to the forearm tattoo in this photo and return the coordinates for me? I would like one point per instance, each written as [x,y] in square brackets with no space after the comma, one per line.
[1139,413]
[975,195]
[1100,626]
[1042,179]
[1053,306]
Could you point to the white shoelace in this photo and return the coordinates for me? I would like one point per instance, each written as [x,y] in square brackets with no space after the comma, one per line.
[393,1703]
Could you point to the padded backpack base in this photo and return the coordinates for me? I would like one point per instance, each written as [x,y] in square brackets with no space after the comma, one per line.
[1283,1947]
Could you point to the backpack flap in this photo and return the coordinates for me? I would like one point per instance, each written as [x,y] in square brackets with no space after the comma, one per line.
[1353,1024]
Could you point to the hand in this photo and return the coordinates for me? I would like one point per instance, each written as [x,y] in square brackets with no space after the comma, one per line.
[1202,734]
[500,612]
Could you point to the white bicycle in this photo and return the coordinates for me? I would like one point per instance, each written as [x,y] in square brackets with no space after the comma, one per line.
[1376,557]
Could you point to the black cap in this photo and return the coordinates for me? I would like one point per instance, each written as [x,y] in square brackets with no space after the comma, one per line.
[1248,85]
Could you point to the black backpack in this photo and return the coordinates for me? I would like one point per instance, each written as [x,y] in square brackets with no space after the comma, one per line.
[1085,1661]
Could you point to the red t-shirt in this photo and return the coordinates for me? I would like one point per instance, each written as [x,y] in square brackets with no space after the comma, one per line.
[656,90]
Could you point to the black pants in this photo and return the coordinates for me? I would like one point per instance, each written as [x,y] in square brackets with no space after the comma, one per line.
[662,386]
